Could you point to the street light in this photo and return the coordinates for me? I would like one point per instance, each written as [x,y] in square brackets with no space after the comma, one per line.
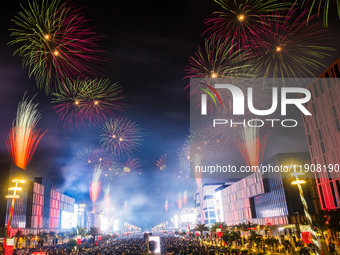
[9,248]
[298,182]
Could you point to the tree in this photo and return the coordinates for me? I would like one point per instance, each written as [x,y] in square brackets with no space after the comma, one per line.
[256,238]
[230,237]
[319,222]
[201,228]
[72,243]
[333,220]
[78,231]
[94,231]
[271,241]
[218,225]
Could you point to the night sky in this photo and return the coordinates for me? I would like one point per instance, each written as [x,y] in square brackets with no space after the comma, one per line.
[148,44]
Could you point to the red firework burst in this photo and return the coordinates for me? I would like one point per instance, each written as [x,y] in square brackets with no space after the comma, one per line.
[55,44]
[121,135]
[161,163]
[86,102]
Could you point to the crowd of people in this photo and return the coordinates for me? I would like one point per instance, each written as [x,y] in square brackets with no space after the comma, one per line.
[131,246]
[138,246]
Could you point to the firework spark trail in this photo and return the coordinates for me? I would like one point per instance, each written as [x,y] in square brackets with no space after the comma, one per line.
[95,186]
[121,135]
[251,145]
[240,21]
[287,48]
[166,205]
[24,138]
[107,199]
[319,4]
[54,43]
[202,142]
[131,165]
[185,197]
[85,102]
[179,200]
[161,163]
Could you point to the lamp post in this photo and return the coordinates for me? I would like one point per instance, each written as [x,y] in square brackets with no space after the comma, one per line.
[9,247]
[298,182]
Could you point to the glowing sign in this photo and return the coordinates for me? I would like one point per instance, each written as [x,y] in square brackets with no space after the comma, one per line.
[115,225]
[66,220]
[104,224]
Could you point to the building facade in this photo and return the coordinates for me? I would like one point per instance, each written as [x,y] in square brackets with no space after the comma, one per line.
[205,203]
[264,198]
[323,133]
[39,207]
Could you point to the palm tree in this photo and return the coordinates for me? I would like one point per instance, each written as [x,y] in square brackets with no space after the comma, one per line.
[77,231]
[230,237]
[94,232]
[218,225]
[201,228]
[256,238]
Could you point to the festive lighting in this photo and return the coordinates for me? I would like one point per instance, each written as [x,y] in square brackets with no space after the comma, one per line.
[161,163]
[285,47]
[128,132]
[251,145]
[77,101]
[231,24]
[24,138]
[56,27]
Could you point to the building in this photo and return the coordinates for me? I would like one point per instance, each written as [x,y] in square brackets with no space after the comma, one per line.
[268,197]
[39,208]
[323,133]
[205,203]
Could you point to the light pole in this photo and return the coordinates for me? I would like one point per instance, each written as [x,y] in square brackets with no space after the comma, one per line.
[9,248]
[298,182]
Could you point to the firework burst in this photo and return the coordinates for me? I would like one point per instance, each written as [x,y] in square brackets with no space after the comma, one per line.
[121,136]
[24,138]
[322,7]
[218,58]
[92,156]
[251,145]
[287,48]
[54,43]
[217,62]
[240,21]
[86,102]
[161,163]
[131,165]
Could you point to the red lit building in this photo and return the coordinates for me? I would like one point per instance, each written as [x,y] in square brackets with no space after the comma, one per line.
[323,133]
